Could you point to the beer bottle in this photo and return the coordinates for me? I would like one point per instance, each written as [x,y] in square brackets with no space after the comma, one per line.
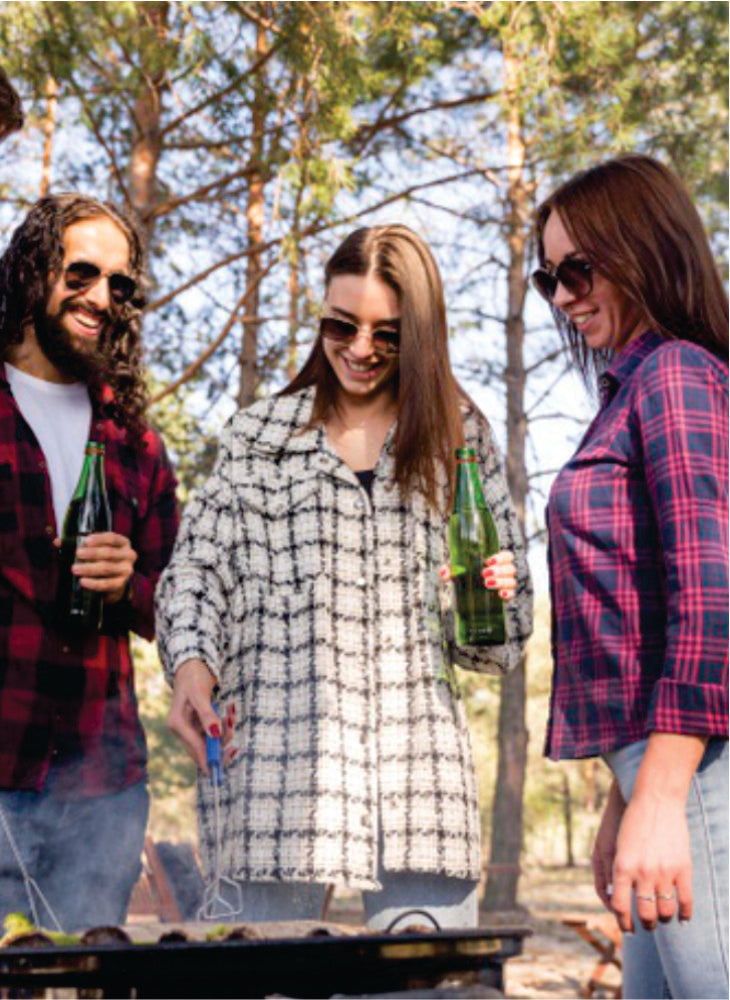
[79,610]
[472,539]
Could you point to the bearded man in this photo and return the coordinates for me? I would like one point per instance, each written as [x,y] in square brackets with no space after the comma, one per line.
[73,790]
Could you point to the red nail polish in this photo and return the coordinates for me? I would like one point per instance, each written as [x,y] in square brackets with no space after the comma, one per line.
[215,731]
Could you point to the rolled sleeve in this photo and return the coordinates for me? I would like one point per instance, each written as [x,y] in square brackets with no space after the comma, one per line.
[684,430]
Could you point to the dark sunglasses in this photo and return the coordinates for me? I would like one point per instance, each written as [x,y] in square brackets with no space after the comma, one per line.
[81,274]
[576,277]
[341,331]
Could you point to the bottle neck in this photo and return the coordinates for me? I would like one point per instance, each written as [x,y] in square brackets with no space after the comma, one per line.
[468,486]
[92,470]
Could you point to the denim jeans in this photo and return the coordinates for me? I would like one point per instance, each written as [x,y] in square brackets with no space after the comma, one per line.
[84,854]
[686,960]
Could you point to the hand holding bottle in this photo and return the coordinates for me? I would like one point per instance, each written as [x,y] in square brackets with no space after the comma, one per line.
[104,563]
[499,573]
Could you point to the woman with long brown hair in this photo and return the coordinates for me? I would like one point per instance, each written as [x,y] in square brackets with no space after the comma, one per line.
[305,585]
[638,528]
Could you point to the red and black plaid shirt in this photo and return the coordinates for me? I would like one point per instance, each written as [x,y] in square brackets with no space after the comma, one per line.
[71,702]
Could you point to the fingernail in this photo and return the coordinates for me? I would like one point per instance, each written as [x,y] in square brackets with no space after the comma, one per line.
[215,731]
[491,561]
[503,593]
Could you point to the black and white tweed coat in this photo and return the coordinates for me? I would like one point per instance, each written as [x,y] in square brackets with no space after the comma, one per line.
[322,616]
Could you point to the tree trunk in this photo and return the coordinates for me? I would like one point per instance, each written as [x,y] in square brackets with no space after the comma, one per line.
[147,138]
[503,869]
[49,129]
[568,817]
[255,230]
[292,359]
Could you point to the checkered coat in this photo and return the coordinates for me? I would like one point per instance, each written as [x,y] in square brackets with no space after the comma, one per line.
[321,613]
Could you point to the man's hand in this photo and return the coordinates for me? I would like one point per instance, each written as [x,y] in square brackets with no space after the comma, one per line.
[191,713]
[104,563]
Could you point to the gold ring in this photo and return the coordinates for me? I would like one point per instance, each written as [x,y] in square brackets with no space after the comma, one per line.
[647,899]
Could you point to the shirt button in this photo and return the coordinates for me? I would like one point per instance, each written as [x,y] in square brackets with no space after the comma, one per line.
[359,503]
[65,649]
[41,465]
[361,582]
[49,529]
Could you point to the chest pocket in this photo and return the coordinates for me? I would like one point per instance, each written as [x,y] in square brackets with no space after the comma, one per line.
[128,505]
[284,530]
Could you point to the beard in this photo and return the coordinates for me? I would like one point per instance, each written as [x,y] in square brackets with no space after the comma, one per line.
[87,364]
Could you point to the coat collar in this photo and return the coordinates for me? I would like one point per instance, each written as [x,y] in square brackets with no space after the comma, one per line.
[280,424]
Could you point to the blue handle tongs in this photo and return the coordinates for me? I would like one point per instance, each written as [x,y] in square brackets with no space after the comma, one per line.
[222,895]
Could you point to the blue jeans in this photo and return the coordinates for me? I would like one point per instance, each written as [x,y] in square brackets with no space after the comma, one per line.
[686,960]
[84,854]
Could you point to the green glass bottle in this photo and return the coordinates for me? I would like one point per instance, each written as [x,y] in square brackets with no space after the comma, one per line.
[472,539]
[79,611]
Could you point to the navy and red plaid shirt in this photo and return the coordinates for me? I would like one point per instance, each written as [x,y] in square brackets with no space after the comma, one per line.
[71,702]
[638,528]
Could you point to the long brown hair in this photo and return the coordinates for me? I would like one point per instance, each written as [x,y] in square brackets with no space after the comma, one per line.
[636,224]
[34,254]
[429,421]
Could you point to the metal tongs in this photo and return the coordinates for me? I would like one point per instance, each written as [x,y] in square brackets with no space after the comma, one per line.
[215,905]
[32,889]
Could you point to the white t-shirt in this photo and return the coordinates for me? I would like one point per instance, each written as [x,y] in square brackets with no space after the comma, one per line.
[60,417]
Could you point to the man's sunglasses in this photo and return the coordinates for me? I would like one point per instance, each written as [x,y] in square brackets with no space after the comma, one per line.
[81,275]
[576,277]
[341,331]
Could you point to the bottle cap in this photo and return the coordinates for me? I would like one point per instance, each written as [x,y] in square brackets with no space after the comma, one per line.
[466,454]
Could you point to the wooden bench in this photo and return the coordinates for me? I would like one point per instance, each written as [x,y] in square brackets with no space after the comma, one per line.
[153,895]
[604,935]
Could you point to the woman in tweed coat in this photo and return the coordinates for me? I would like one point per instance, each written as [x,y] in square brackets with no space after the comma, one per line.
[305,587]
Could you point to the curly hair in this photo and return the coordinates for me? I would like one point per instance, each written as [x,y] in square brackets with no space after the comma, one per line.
[11,110]
[34,254]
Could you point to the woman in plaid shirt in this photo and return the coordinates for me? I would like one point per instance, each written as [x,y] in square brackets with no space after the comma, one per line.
[638,526]
[305,583]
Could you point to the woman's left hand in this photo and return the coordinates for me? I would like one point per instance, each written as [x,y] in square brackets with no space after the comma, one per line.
[499,573]
[653,861]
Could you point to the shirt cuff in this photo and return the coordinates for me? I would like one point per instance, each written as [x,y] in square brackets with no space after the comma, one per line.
[689,709]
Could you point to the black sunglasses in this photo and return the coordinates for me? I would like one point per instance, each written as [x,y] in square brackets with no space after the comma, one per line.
[576,277]
[82,274]
[341,331]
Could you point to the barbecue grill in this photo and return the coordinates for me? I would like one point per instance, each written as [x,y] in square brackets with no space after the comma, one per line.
[299,959]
